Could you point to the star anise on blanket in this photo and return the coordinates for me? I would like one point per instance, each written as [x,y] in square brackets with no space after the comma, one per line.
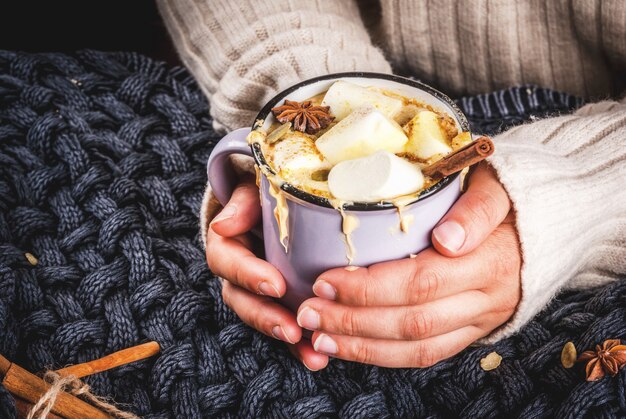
[608,358]
[303,116]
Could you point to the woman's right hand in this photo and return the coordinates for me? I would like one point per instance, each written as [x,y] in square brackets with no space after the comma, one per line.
[250,283]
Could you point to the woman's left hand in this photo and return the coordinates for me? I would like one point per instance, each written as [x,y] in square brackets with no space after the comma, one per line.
[417,311]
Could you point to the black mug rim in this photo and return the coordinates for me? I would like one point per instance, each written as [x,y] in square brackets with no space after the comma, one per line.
[354,206]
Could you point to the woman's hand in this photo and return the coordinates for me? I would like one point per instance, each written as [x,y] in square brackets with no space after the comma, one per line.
[250,282]
[416,312]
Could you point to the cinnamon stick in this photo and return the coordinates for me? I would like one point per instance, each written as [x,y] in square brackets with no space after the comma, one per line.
[31,388]
[23,409]
[456,161]
[5,364]
[116,359]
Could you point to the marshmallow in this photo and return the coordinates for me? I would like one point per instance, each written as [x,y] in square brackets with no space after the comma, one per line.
[295,152]
[426,138]
[344,97]
[363,132]
[374,178]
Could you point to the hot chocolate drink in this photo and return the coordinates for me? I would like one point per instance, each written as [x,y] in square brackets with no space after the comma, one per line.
[356,143]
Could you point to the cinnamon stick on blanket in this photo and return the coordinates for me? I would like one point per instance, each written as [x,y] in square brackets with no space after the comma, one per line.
[27,388]
[114,360]
[23,408]
[31,388]
[456,161]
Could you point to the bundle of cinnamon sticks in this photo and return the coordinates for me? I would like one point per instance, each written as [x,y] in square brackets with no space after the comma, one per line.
[28,388]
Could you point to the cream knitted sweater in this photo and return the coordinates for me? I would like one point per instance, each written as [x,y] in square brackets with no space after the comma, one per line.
[565,175]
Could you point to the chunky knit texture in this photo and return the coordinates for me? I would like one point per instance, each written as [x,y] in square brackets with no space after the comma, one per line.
[102,167]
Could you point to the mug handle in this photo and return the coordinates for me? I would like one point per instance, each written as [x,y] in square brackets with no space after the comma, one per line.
[222,177]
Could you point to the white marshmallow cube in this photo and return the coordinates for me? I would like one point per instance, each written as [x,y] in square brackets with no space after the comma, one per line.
[365,131]
[426,138]
[374,178]
[296,151]
[344,97]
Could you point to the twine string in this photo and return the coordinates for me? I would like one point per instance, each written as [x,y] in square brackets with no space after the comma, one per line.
[72,385]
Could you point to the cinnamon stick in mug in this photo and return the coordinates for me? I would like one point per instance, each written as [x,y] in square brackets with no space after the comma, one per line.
[456,161]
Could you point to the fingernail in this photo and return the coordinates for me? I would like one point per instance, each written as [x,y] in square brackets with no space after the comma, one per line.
[265,288]
[325,345]
[309,319]
[279,333]
[229,211]
[307,367]
[450,235]
[323,289]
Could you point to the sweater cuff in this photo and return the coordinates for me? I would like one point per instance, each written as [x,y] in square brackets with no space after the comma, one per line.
[565,179]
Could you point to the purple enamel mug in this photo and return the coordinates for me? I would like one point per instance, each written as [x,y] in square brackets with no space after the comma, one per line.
[315,241]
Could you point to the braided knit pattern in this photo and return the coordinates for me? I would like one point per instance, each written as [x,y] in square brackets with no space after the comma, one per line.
[102,168]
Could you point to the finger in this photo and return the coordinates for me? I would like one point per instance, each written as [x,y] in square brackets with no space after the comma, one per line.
[400,323]
[427,277]
[304,351]
[241,213]
[474,216]
[397,353]
[230,259]
[262,313]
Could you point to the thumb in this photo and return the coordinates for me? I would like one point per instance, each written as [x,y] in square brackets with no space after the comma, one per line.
[241,213]
[474,216]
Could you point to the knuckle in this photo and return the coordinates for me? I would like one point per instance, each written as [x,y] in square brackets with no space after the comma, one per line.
[363,354]
[365,289]
[424,356]
[483,206]
[210,260]
[210,264]
[504,281]
[262,324]
[348,323]
[237,272]
[503,302]
[508,257]
[417,324]
[256,324]
[508,302]
[426,284]
[244,191]
[505,265]
[226,295]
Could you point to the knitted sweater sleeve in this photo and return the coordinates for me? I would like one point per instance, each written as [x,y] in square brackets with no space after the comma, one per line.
[244,52]
[565,177]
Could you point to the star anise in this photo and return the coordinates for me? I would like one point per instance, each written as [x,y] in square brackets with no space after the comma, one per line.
[303,116]
[608,358]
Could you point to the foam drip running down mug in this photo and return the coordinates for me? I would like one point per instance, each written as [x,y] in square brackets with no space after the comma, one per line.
[315,233]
